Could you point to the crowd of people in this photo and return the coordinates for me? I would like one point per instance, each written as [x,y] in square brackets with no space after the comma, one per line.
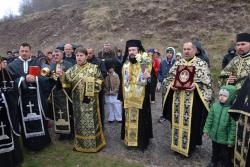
[70,89]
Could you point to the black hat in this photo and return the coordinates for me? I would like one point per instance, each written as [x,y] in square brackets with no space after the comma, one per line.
[133,43]
[243,37]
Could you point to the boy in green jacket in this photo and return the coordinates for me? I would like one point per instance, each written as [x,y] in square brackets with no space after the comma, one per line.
[221,128]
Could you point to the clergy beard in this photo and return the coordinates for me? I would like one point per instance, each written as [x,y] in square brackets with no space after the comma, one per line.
[245,54]
[132,59]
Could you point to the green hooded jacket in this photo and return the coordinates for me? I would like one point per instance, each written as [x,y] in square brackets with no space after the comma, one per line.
[220,127]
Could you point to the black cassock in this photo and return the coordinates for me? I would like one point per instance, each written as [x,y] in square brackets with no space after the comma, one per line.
[10,150]
[32,104]
[61,106]
[240,111]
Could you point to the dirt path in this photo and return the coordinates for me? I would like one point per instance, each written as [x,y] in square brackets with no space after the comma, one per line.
[158,153]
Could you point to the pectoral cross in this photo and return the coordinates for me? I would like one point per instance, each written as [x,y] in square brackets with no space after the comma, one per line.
[2,127]
[60,113]
[30,106]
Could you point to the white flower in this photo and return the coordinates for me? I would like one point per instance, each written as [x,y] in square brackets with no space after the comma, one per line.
[138,57]
[145,55]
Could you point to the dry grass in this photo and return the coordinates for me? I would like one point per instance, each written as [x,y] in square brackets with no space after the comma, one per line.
[157,23]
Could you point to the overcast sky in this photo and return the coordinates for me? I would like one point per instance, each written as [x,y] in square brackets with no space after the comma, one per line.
[7,5]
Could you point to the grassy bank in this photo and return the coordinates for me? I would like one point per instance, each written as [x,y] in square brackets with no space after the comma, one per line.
[60,154]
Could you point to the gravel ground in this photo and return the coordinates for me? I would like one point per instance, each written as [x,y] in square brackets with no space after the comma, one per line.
[158,154]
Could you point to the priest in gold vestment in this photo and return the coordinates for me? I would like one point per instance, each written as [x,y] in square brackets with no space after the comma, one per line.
[134,93]
[86,80]
[187,108]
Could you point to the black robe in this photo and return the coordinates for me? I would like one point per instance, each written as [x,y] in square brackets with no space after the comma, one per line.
[34,132]
[240,111]
[71,59]
[10,157]
[60,100]
[145,129]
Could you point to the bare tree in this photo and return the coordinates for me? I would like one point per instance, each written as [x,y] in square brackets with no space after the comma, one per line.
[8,16]
[30,6]
[26,7]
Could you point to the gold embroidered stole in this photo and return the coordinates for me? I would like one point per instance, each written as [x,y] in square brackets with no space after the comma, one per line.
[133,87]
[242,141]
[131,126]
[181,119]
[133,95]
[86,80]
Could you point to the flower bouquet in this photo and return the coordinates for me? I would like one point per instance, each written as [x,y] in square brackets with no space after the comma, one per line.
[145,61]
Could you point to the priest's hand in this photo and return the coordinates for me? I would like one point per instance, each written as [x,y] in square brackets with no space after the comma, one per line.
[59,72]
[30,78]
[191,88]
[146,75]
[173,88]
[231,79]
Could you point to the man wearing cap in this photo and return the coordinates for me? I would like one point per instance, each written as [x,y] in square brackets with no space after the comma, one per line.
[187,99]
[165,66]
[237,73]
[137,119]
[238,69]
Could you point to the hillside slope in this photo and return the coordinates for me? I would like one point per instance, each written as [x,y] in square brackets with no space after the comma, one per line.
[159,23]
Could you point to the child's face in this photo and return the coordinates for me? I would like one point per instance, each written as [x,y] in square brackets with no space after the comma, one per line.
[178,58]
[223,98]
[111,70]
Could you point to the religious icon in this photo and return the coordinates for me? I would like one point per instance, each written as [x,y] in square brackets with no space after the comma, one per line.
[184,77]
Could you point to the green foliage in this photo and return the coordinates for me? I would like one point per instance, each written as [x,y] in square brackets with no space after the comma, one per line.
[61,154]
